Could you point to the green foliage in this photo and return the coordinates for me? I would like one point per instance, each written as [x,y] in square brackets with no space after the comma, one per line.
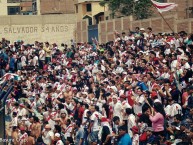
[143,9]
[140,9]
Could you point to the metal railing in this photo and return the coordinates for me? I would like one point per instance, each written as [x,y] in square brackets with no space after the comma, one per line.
[6,89]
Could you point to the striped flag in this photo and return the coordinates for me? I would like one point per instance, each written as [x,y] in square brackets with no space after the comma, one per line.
[9,76]
[163,7]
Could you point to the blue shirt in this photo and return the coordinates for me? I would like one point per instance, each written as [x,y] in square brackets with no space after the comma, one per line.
[12,63]
[125,140]
[142,85]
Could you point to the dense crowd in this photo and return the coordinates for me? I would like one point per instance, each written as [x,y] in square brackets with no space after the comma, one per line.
[134,90]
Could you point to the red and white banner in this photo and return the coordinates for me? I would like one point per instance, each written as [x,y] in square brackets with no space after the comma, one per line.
[163,7]
[9,76]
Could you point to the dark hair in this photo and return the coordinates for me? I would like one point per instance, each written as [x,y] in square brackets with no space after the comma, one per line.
[129,111]
[89,113]
[123,127]
[14,113]
[78,123]
[149,28]
[86,106]
[97,108]
[58,128]
[159,108]
[60,106]
[39,139]
[36,119]
[69,121]
[178,117]
[116,118]
[14,128]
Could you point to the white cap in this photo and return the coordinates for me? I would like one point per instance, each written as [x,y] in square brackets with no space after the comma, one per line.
[24,119]
[57,135]
[142,29]
[115,97]
[114,88]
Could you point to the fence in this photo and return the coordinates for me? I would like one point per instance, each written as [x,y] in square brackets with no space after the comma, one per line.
[106,28]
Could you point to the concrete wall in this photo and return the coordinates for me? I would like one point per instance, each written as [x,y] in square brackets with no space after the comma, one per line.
[124,24]
[52,28]
[82,31]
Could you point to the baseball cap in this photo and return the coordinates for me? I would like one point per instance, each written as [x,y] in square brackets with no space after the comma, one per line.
[57,135]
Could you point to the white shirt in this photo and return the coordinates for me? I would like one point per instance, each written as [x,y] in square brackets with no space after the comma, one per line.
[14,122]
[135,140]
[42,54]
[35,61]
[138,108]
[165,75]
[84,116]
[23,138]
[174,65]
[167,51]
[125,38]
[94,117]
[186,66]
[68,131]
[117,110]
[59,142]
[23,61]
[47,138]
[22,112]
[130,123]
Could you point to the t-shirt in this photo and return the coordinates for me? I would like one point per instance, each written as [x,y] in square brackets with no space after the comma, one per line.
[47,137]
[117,108]
[138,108]
[35,61]
[135,140]
[105,132]
[68,131]
[14,122]
[59,142]
[125,140]
[42,55]
[95,117]
[130,123]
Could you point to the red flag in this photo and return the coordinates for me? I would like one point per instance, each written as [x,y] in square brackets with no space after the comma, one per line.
[163,7]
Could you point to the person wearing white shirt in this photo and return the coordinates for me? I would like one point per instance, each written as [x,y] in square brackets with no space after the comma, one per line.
[184,62]
[172,109]
[94,125]
[139,101]
[117,108]
[22,111]
[165,73]
[174,63]
[58,139]
[124,37]
[23,60]
[35,60]
[14,121]
[68,131]
[42,55]
[48,135]
[131,121]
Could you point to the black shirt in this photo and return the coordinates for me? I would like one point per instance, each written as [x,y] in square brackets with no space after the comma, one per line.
[105,133]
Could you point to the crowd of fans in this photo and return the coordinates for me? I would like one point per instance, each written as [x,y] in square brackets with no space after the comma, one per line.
[135,90]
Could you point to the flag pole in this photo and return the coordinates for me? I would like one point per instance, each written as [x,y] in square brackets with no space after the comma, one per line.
[163,18]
